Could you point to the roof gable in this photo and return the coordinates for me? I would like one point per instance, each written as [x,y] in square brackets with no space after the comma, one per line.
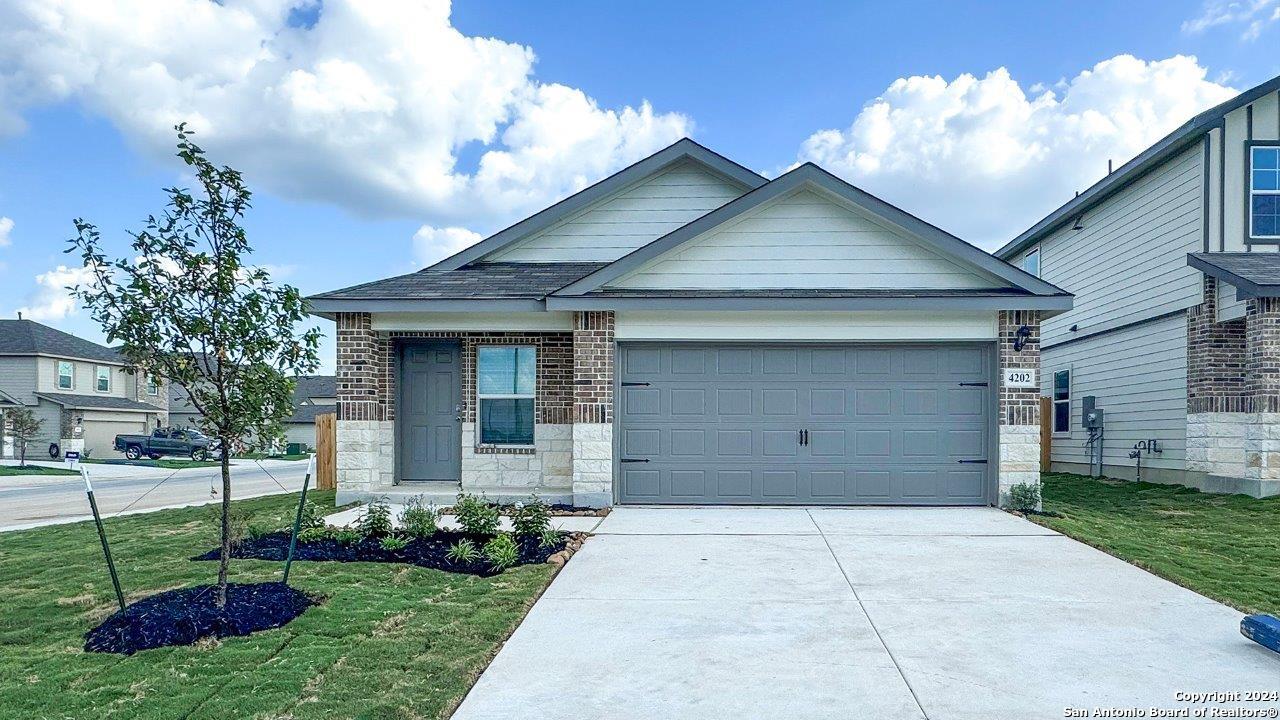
[804,239]
[684,151]
[861,221]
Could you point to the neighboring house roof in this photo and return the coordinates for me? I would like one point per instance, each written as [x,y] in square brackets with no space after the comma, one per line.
[1173,143]
[7,400]
[812,175]
[315,386]
[95,402]
[481,281]
[1252,274]
[682,150]
[27,337]
[308,413]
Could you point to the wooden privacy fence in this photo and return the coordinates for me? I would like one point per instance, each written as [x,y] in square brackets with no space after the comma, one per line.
[326,451]
[1046,433]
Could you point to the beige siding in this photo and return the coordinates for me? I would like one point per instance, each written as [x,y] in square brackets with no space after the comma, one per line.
[18,378]
[803,240]
[1229,308]
[633,217]
[1139,376]
[84,379]
[1129,263]
[1266,126]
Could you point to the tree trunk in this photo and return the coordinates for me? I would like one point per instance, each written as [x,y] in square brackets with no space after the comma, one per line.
[224,557]
[22,453]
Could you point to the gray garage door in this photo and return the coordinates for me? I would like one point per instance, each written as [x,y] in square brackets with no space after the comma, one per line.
[819,424]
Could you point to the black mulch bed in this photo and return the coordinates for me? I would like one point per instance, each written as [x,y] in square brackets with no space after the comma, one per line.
[429,552]
[181,617]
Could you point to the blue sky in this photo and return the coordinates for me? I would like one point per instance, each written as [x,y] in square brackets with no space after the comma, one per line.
[379,139]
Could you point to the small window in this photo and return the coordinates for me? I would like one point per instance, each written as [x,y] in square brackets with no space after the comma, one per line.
[1031,262]
[1062,401]
[506,380]
[103,378]
[153,386]
[66,376]
[1264,192]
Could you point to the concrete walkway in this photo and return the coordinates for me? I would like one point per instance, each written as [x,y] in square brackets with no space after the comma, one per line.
[859,613]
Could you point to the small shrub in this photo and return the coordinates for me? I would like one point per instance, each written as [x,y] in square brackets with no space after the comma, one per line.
[1024,497]
[501,553]
[312,516]
[313,534]
[376,521]
[419,519]
[256,532]
[476,515]
[393,543]
[550,538]
[531,519]
[348,536]
[463,552]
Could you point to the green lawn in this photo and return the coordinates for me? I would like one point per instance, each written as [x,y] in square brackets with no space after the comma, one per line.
[165,463]
[388,641]
[34,470]
[1226,547]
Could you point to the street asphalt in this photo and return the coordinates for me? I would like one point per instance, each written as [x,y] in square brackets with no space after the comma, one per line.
[34,500]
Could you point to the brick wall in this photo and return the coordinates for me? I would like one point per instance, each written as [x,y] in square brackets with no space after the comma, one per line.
[360,375]
[1019,406]
[1215,358]
[1262,355]
[593,367]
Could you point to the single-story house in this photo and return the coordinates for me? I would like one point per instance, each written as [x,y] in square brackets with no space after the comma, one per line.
[82,391]
[687,331]
[313,395]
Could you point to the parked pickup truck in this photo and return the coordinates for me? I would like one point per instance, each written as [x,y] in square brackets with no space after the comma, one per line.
[165,441]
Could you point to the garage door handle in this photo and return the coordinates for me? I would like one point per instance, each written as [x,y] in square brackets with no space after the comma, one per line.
[635,384]
[974,384]
[973,462]
[633,460]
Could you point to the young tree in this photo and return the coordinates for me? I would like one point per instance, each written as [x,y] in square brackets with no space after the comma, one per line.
[186,307]
[25,428]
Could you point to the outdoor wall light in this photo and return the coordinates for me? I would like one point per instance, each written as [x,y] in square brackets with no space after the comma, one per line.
[1020,339]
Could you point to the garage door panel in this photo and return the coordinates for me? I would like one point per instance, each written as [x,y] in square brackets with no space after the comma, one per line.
[885,424]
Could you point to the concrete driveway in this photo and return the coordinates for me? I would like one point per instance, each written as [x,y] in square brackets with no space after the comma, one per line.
[858,613]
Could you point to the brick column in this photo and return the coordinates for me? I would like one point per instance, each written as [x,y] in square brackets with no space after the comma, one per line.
[1019,458]
[593,359]
[366,437]
[1262,383]
[1216,394]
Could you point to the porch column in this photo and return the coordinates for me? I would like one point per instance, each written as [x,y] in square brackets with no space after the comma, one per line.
[593,358]
[1019,455]
[1217,420]
[365,434]
[1262,382]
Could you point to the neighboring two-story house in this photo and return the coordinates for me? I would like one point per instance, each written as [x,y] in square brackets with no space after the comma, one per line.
[1175,332]
[81,390]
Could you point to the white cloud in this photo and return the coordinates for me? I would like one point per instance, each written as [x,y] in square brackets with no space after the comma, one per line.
[6,227]
[432,244]
[1254,15]
[370,108]
[52,300]
[983,159]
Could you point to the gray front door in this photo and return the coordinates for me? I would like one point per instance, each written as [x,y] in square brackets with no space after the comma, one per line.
[903,424]
[429,417]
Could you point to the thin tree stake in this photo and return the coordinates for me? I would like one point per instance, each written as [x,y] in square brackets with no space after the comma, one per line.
[297,519]
[102,535]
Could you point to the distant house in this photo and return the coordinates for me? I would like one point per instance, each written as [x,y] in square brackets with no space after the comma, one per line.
[314,395]
[82,390]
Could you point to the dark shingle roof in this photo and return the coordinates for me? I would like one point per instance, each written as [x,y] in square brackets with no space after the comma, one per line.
[27,337]
[308,413]
[478,281]
[97,402]
[309,386]
[1256,273]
